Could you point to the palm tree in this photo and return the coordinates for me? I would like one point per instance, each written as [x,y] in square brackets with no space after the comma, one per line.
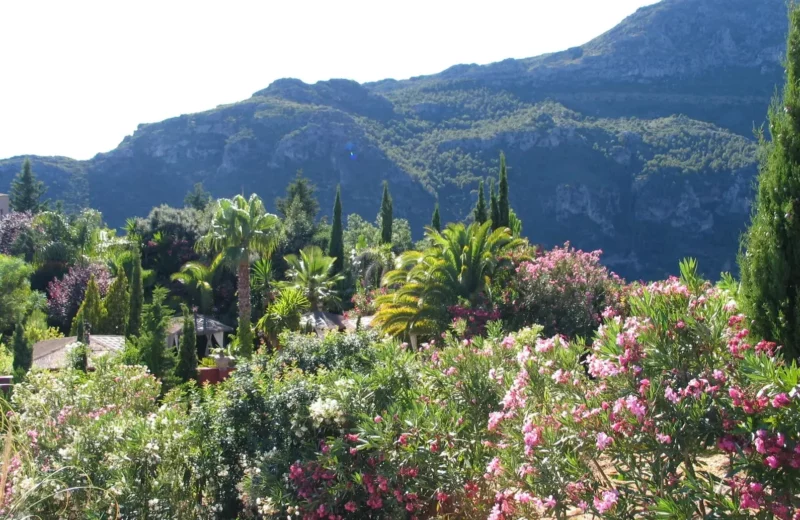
[284,313]
[312,273]
[240,229]
[261,278]
[198,278]
[373,263]
[458,266]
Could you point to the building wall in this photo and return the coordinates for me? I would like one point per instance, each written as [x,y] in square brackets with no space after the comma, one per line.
[4,207]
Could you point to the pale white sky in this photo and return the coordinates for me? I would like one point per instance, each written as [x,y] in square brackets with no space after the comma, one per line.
[78,75]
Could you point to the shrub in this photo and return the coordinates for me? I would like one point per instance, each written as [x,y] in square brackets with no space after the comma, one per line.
[91,446]
[66,295]
[565,290]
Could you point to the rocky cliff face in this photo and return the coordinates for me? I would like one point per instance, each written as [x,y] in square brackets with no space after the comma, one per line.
[639,142]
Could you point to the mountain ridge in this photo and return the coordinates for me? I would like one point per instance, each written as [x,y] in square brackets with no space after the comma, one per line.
[642,132]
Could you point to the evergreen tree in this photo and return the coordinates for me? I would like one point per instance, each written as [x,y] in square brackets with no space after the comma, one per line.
[494,205]
[27,191]
[186,369]
[137,298]
[770,263]
[303,190]
[80,329]
[502,203]
[23,354]
[436,221]
[336,243]
[152,342]
[117,304]
[198,198]
[386,215]
[91,311]
[479,213]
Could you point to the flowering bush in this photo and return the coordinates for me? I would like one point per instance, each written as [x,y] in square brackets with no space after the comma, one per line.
[97,445]
[684,415]
[564,290]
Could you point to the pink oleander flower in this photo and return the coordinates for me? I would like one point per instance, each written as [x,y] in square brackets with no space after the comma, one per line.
[603,441]
[494,468]
[351,506]
[606,501]
[663,438]
[781,400]
[378,419]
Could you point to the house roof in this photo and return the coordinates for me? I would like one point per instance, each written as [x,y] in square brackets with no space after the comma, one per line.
[202,324]
[52,353]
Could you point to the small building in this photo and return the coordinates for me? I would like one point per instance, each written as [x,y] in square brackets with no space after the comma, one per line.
[208,329]
[5,205]
[53,354]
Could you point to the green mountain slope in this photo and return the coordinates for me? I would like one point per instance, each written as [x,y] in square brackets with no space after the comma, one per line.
[639,142]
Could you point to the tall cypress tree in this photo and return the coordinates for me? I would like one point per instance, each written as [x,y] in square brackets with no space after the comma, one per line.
[23,354]
[27,190]
[336,243]
[152,341]
[502,203]
[494,205]
[91,311]
[436,221]
[186,369]
[137,298]
[117,304]
[386,215]
[770,262]
[480,208]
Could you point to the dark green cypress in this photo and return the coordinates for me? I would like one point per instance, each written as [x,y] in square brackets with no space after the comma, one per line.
[479,213]
[27,190]
[494,205]
[186,369]
[23,354]
[336,242]
[137,298]
[770,262]
[386,215]
[502,203]
[436,221]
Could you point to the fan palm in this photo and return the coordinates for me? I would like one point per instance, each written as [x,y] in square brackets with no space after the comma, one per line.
[198,278]
[240,229]
[373,263]
[284,313]
[459,265]
[312,273]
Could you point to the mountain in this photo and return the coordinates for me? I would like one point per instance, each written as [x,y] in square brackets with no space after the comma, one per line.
[639,142]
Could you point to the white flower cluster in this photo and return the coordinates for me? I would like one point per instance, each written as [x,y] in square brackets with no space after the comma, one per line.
[326,411]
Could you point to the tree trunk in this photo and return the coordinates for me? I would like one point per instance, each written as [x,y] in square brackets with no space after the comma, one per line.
[244,333]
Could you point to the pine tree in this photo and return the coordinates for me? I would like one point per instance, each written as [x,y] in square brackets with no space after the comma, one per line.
[137,298]
[198,198]
[117,304]
[80,328]
[27,191]
[336,242]
[494,205]
[502,203]
[79,356]
[436,220]
[386,215]
[770,263]
[479,213]
[186,369]
[23,354]
[91,310]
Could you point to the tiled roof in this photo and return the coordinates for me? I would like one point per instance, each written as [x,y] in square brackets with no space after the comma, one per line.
[52,353]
